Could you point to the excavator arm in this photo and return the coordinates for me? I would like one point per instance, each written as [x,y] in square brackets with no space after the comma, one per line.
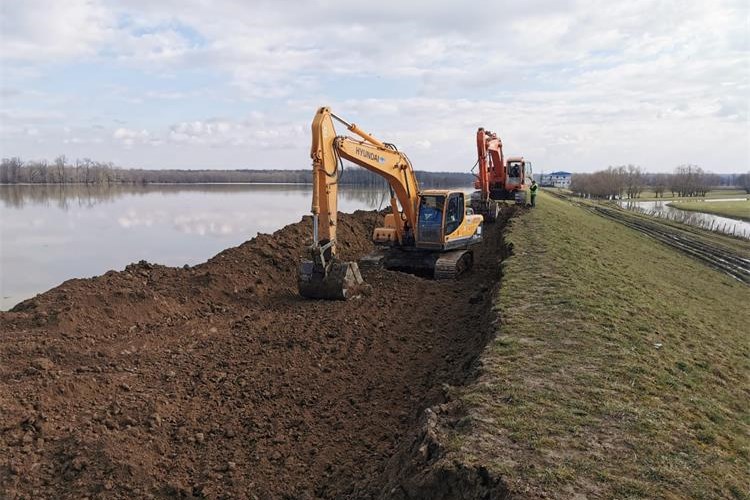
[483,177]
[490,160]
[369,153]
[324,276]
[495,149]
[491,163]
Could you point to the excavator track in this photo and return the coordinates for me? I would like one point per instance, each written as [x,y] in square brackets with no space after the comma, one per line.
[451,265]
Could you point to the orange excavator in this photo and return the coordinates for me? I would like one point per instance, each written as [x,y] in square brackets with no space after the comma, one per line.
[428,232]
[497,179]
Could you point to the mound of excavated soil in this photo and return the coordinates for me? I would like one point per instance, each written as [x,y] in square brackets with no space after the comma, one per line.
[220,381]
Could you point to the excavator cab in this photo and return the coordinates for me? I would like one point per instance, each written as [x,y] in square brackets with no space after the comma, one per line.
[443,222]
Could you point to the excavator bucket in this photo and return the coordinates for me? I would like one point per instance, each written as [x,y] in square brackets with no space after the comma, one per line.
[337,281]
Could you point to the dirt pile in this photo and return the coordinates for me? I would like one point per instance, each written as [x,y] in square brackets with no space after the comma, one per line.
[219,381]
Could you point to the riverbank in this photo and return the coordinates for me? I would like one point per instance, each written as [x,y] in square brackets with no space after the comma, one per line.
[620,369]
[735,209]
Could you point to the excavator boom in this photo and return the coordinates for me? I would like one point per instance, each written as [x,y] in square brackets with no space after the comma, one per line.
[369,153]
[491,163]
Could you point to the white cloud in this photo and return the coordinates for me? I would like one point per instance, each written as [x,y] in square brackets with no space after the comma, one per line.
[255,131]
[572,82]
[43,30]
[153,51]
[129,137]
[171,96]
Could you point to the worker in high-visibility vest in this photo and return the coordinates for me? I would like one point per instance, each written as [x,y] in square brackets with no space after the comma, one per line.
[533,189]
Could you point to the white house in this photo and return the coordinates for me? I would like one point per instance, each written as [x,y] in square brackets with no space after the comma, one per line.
[556,179]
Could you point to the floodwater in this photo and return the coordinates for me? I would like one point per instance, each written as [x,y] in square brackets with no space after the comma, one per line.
[699,219]
[51,233]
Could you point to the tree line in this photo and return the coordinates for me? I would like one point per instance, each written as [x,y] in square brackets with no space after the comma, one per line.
[87,171]
[629,181]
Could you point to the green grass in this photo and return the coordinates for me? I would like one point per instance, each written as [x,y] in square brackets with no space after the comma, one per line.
[620,369]
[713,194]
[733,209]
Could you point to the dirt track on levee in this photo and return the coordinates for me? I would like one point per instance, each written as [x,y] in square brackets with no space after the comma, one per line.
[684,239]
[689,243]
[219,381]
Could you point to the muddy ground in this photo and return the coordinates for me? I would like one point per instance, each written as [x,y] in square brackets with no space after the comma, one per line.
[219,381]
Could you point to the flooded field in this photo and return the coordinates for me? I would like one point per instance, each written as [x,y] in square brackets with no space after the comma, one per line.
[699,219]
[51,233]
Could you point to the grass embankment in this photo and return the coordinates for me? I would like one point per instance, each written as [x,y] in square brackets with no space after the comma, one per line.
[620,369]
[733,209]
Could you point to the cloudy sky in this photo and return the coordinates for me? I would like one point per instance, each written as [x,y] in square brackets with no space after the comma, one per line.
[575,85]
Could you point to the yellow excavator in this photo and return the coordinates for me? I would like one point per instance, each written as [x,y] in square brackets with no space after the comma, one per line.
[427,232]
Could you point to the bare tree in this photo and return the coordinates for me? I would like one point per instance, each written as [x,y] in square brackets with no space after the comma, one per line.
[60,166]
[608,184]
[659,183]
[743,181]
[10,170]
[692,180]
[633,181]
[89,171]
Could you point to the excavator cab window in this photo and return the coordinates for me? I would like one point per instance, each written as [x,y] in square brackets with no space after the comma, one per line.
[431,210]
[514,172]
[430,219]
[454,214]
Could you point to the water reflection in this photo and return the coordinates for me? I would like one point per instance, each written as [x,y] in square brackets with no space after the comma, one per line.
[67,196]
[51,233]
[698,219]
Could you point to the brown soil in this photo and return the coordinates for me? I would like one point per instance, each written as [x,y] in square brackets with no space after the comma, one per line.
[219,381]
